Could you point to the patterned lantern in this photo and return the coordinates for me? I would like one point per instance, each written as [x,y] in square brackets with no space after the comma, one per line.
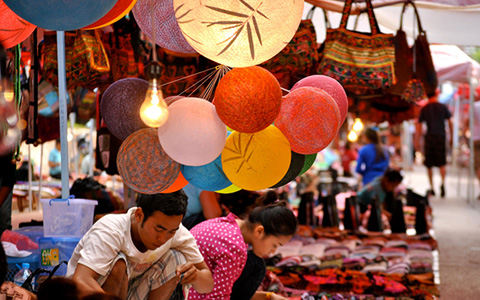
[238,33]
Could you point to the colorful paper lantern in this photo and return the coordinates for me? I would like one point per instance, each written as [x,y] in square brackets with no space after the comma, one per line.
[179,183]
[231,189]
[296,165]
[120,105]
[329,85]
[309,160]
[309,119]
[255,161]
[59,14]
[248,99]
[13,29]
[193,135]
[118,11]
[238,33]
[144,165]
[209,177]
[167,32]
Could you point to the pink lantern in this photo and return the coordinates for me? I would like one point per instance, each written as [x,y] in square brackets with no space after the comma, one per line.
[167,32]
[329,85]
[248,99]
[309,119]
[193,135]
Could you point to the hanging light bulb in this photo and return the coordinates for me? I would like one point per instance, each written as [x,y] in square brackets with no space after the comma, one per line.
[352,136]
[357,125]
[154,111]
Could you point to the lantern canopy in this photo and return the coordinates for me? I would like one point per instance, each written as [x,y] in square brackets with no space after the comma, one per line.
[238,33]
[118,11]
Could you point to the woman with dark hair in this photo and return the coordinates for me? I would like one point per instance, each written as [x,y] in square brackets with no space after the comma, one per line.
[223,242]
[373,158]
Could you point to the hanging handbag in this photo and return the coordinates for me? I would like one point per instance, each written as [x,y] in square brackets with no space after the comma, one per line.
[86,62]
[362,62]
[299,57]
[424,69]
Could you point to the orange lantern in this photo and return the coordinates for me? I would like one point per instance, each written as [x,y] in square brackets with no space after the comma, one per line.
[248,99]
[13,29]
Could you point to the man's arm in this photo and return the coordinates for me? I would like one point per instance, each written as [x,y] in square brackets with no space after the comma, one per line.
[198,275]
[210,206]
[450,127]
[86,280]
[418,134]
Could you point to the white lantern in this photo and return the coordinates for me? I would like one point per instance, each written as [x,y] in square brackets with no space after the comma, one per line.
[238,33]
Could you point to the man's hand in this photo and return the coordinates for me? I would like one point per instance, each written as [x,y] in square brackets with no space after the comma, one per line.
[196,274]
[186,273]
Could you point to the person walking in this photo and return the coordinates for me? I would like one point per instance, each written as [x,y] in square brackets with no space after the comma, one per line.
[434,115]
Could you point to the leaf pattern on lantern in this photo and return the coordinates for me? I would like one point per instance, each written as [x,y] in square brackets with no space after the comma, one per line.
[244,153]
[249,21]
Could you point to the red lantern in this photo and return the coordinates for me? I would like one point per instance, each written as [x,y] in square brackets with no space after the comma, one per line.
[248,99]
[309,119]
[13,29]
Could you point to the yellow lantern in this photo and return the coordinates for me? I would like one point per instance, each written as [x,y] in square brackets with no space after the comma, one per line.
[238,33]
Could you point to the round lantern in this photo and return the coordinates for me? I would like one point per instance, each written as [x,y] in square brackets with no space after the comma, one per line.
[193,135]
[309,119]
[248,99]
[13,29]
[296,165]
[59,14]
[144,165]
[255,161]
[329,85]
[209,177]
[231,189]
[120,105]
[118,11]
[309,160]
[167,32]
[179,183]
[238,33]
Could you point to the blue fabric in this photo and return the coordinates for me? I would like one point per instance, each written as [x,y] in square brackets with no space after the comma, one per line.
[194,206]
[56,157]
[367,166]
[370,191]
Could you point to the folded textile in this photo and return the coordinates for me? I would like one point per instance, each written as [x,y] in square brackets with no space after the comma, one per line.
[11,250]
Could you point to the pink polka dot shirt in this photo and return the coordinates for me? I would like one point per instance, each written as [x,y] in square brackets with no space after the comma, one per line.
[221,243]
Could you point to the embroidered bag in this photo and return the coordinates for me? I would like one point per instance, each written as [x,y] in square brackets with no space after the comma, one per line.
[362,62]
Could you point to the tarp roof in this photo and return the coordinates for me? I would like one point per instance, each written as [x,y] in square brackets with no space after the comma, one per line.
[452,64]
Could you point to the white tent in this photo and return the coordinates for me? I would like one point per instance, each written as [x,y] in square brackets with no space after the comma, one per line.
[453,22]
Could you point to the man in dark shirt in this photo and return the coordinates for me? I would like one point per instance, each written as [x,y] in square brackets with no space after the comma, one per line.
[434,115]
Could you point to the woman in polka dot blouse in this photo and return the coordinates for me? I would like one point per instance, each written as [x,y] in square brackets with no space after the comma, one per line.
[223,243]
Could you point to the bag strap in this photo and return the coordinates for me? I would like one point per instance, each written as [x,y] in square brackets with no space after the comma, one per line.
[371,16]
[417,15]
[310,13]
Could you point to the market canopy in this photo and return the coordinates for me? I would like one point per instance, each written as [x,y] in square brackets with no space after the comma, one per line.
[454,22]
[452,64]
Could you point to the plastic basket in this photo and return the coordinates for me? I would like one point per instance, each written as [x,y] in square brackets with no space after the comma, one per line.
[67,217]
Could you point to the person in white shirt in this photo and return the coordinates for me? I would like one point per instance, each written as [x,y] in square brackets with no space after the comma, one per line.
[142,254]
